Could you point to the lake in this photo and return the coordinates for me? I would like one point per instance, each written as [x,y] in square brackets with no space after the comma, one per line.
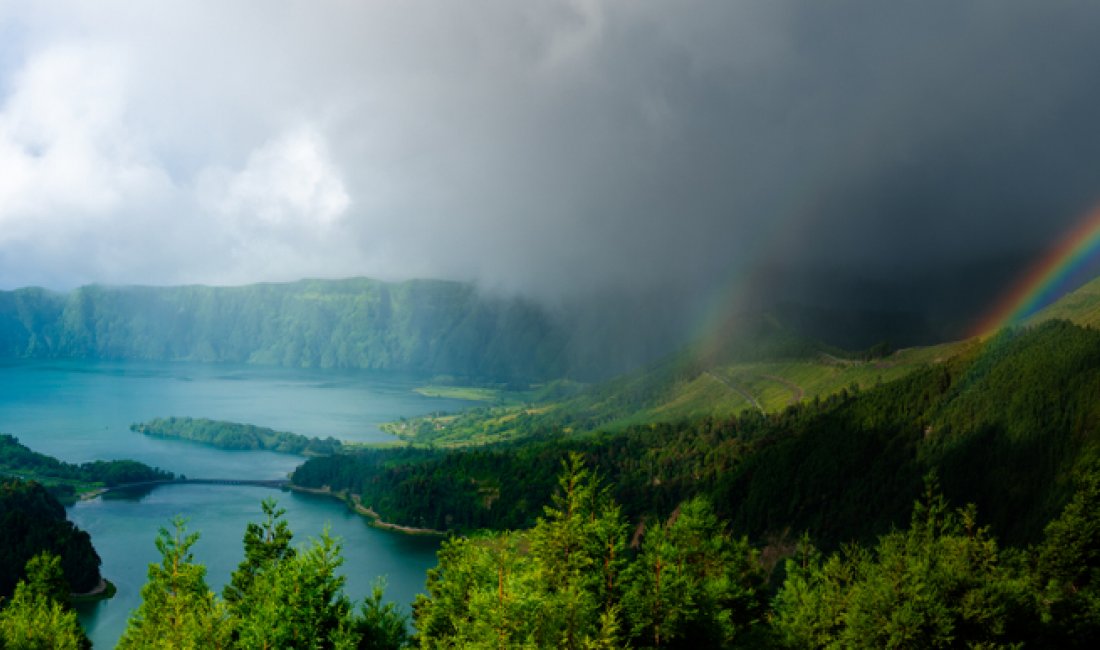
[81,411]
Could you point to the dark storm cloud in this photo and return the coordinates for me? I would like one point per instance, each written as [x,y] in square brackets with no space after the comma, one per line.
[553,148]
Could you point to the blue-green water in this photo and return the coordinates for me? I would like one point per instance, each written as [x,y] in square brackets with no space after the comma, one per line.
[81,411]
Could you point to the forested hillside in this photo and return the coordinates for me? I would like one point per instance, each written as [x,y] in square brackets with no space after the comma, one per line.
[32,522]
[1004,423]
[583,577]
[432,327]
[63,479]
[758,362]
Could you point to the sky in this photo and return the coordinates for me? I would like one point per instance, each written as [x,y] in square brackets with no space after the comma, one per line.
[838,150]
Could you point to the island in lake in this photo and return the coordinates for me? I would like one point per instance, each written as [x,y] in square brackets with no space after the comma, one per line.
[236,436]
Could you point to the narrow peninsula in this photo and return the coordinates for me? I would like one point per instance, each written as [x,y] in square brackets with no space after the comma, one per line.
[236,436]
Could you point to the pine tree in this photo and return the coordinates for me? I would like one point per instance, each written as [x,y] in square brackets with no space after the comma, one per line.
[380,625]
[265,544]
[555,586]
[1068,567]
[577,546]
[298,603]
[177,610]
[938,584]
[38,617]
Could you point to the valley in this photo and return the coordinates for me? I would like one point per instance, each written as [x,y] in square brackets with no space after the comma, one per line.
[775,431]
[570,325]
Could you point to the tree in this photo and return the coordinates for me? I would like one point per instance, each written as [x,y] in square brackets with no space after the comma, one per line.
[38,617]
[578,548]
[1068,567]
[693,585]
[45,578]
[556,585]
[177,609]
[298,603]
[938,584]
[265,545]
[380,626]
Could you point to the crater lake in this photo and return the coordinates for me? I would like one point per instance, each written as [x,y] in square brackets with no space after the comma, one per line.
[80,411]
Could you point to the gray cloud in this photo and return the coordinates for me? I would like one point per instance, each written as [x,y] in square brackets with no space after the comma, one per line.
[545,147]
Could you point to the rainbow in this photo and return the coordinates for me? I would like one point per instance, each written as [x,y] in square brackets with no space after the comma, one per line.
[1046,277]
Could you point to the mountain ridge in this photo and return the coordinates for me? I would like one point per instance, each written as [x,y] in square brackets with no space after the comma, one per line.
[424,326]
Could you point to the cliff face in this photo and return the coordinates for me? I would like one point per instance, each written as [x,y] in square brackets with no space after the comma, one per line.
[431,327]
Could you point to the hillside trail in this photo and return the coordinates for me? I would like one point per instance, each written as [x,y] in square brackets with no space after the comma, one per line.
[796,391]
[737,389]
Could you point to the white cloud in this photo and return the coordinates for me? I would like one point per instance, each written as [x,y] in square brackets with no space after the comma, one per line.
[288,181]
[66,155]
[538,145]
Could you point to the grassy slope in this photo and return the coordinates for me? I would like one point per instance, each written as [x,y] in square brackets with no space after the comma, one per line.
[1005,423]
[768,369]
[1081,307]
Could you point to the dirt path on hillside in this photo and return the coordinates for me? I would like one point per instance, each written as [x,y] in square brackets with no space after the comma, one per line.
[796,391]
[737,389]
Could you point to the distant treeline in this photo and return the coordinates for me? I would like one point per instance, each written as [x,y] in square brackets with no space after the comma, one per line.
[231,435]
[430,327]
[1005,426]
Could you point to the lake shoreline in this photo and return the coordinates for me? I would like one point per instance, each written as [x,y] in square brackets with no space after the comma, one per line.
[79,411]
[105,590]
[355,505]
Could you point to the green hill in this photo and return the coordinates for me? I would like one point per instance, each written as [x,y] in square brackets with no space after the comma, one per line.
[64,480]
[34,521]
[424,326]
[758,364]
[1081,306]
[1005,423]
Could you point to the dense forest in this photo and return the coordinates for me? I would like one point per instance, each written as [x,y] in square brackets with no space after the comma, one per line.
[1005,425]
[427,327]
[584,577]
[33,521]
[39,615]
[231,435]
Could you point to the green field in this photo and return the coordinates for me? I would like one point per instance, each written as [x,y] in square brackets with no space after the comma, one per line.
[470,393]
[680,389]
[770,369]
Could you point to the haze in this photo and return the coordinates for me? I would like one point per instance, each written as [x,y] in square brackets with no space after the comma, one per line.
[548,148]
